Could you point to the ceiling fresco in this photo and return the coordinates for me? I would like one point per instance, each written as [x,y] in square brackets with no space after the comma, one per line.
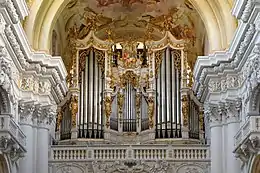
[134,19]
[128,15]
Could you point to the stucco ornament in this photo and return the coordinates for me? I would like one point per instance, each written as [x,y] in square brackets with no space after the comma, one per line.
[252,73]
[130,167]
[5,75]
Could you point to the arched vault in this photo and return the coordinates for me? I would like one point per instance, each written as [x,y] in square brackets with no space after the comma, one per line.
[215,14]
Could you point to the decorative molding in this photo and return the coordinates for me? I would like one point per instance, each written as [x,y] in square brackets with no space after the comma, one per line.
[5,72]
[10,8]
[252,73]
[131,167]
[215,84]
[248,10]
[36,85]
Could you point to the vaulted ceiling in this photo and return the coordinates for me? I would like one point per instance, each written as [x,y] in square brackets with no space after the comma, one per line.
[208,21]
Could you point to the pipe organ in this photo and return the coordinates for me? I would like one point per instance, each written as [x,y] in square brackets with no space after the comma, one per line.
[91,86]
[168,94]
[132,87]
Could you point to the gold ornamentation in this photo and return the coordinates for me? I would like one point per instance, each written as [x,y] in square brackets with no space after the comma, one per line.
[120,102]
[108,109]
[59,120]
[138,105]
[185,110]
[158,60]
[74,110]
[131,77]
[177,59]
[150,102]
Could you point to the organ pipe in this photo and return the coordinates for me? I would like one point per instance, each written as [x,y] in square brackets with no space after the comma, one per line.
[91,97]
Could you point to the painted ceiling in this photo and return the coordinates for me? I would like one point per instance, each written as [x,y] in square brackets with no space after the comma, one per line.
[133,18]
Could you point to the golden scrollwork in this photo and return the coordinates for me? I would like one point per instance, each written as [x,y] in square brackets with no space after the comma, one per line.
[150,101]
[108,109]
[74,110]
[59,120]
[177,59]
[138,105]
[131,77]
[158,60]
[120,102]
[185,110]
[100,55]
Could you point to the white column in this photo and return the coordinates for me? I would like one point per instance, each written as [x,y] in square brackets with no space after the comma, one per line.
[26,113]
[216,147]
[233,164]
[42,149]
[43,141]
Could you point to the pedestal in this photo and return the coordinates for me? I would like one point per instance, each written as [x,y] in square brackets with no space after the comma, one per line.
[74,133]
[42,149]
[216,148]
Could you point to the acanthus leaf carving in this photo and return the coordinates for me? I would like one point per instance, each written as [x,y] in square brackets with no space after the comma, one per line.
[10,8]
[252,73]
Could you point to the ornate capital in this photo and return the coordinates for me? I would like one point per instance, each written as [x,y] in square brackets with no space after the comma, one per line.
[214,114]
[231,110]
[26,111]
[46,117]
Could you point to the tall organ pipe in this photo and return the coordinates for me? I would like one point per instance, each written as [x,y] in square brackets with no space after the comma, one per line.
[171,72]
[87,97]
[91,98]
[93,94]
[168,97]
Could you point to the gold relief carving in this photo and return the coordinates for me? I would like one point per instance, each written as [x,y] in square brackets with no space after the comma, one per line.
[108,109]
[150,102]
[158,60]
[74,110]
[100,55]
[138,105]
[177,59]
[120,102]
[131,77]
[185,110]
[59,120]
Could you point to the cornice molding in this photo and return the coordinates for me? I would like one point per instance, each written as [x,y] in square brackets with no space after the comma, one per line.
[235,57]
[39,65]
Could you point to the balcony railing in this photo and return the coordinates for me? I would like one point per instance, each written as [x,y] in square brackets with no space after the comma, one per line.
[130,152]
[251,127]
[10,130]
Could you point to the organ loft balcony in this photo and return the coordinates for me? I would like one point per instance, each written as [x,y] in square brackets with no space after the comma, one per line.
[129,91]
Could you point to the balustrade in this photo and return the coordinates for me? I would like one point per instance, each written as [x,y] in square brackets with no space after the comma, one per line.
[126,152]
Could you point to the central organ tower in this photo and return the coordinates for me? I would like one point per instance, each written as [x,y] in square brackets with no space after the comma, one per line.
[129,91]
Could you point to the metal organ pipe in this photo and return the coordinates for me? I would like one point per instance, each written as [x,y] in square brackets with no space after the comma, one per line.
[168,97]
[86,93]
[91,98]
